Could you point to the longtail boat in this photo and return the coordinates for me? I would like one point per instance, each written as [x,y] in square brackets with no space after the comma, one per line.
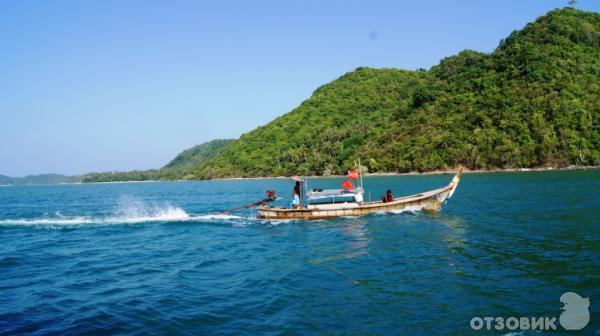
[324,204]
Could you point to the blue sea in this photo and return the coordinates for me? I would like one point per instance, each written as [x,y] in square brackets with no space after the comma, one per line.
[157,258]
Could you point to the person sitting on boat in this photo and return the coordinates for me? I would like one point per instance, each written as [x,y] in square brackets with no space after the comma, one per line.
[388,197]
[296,194]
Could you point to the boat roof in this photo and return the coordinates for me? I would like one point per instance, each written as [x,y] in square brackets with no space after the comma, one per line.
[327,193]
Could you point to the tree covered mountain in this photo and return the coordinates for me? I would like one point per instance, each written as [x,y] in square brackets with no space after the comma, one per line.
[534,101]
[198,154]
[179,168]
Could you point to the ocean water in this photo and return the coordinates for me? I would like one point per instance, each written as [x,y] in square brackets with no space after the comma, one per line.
[155,258]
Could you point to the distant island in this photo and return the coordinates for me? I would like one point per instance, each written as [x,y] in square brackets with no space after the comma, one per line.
[182,167]
[532,102]
[40,179]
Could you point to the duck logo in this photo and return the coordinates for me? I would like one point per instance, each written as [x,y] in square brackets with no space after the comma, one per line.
[576,314]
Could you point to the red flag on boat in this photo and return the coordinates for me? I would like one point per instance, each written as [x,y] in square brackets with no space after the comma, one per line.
[353,174]
[347,185]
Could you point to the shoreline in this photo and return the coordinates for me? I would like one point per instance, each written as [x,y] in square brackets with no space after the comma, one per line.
[433,172]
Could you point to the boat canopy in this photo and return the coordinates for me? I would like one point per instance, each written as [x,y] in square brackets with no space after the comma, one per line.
[317,196]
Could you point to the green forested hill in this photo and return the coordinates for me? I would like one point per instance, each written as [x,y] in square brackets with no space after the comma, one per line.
[534,101]
[198,154]
[180,167]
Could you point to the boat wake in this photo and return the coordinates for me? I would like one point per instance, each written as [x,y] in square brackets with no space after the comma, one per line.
[411,209]
[170,215]
[215,217]
[129,212]
[132,211]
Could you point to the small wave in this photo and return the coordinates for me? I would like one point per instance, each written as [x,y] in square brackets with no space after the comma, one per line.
[215,217]
[275,222]
[412,209]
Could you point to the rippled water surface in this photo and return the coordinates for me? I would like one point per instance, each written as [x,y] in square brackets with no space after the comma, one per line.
[153,258]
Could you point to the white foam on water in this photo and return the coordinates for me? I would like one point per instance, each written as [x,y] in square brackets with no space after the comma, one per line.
[164,215]
[168,214]
[412,209]
[76,220]
[275,222]
[215,217]
[128,211]
[135,210]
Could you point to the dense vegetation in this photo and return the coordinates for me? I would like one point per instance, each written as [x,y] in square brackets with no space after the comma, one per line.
[179,168]
[534,101]
[198,154]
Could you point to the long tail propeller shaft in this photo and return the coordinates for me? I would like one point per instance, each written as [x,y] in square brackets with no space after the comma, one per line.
[270,198]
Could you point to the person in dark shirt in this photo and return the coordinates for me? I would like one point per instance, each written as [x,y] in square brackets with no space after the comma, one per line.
[388,197]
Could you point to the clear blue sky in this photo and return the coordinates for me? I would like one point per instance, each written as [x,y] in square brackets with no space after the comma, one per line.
[120,85]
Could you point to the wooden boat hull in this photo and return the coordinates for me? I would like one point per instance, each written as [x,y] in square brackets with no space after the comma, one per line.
[431,200]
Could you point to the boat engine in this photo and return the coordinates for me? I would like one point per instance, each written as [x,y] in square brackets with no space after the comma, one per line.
[271,194]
